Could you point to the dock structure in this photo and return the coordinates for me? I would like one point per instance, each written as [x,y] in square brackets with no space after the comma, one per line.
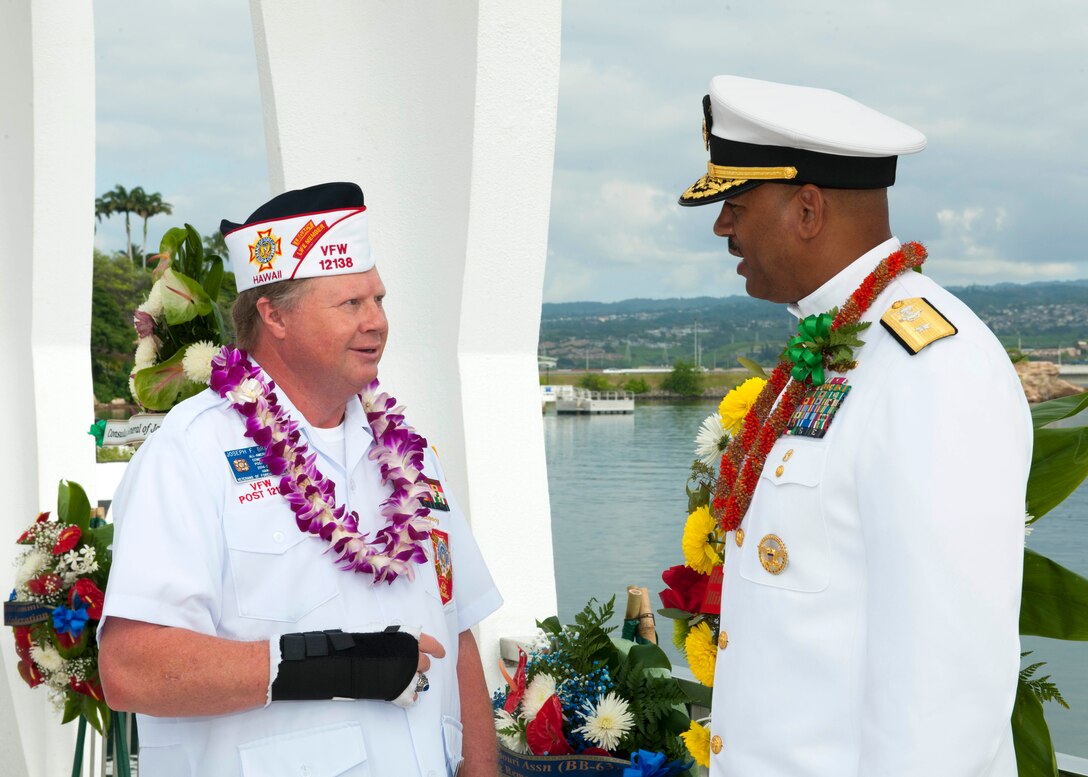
[585,402]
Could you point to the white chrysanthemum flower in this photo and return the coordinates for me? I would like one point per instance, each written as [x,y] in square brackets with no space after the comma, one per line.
[510,733]
[30,563]
[47,658]
[539,691]
[247,391]
[197,361]
[153,306]
[710,441]
[607,722]
[147,352]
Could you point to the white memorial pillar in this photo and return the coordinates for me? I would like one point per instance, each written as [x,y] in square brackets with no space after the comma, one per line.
[47,219]
[445,114]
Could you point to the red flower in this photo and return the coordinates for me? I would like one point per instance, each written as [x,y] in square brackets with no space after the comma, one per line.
[544,734]
[68,539]
[90,688]
[90,595]
[30,674]
[22,642]
[517,686]
[45,585]
[27,537]
[686,588]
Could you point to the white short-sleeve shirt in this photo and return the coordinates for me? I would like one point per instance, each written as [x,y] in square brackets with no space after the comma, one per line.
[200,545]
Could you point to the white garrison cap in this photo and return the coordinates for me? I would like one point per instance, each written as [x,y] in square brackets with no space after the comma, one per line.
[759,131]
[305,233]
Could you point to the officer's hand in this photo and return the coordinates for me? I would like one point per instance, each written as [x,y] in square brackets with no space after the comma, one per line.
[428,646]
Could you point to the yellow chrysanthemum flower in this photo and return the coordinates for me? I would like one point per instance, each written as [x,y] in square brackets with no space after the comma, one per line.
[697,741]
[699,541]
[736,404]
[702,653]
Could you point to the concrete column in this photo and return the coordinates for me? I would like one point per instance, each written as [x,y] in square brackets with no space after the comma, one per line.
[47,219]
[445,114]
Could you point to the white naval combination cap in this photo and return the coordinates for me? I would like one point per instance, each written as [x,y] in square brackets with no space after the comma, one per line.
[304,233]
[759,131]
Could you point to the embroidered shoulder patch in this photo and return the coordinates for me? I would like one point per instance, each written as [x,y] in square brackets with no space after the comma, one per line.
[915,323]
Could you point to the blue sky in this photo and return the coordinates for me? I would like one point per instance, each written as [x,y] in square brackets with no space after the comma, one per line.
[998,89]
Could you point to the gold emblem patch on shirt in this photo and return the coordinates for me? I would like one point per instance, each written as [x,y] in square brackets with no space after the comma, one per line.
[915,323]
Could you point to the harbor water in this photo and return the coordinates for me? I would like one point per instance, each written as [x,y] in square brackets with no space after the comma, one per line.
[618,509]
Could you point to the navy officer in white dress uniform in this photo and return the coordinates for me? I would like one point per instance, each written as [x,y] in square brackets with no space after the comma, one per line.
[238,638]
[871,593]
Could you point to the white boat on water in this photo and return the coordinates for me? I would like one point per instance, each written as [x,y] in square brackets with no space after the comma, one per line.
[583,402]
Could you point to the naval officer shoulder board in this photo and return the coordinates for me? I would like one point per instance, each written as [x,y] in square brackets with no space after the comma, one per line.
[915,323]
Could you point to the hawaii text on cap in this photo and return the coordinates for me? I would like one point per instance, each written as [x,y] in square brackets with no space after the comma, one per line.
[759,131]
[305,233]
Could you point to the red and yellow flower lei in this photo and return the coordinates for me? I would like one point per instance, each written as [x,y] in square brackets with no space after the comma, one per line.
[746,453]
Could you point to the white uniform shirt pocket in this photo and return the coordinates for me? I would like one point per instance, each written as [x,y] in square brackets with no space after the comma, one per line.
[786,517]
[326,751]
[276,572]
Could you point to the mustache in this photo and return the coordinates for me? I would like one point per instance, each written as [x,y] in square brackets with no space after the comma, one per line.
[733,246]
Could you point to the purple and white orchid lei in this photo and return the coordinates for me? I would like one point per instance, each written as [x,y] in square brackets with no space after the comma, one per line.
[398,545]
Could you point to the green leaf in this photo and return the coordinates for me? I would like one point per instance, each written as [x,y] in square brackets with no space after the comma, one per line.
[73,506]
[752,367]
[1031,736]
[1059,463]
[648,656]
[550,625]
[72,709]
[675,614]
[213,277]
[1055,600]
[163,385]
[173,238]
[183,299]
[1057,409]
[96,713]
[696,692]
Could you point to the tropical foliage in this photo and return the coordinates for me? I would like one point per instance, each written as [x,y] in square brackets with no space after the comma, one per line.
[179,326]
[1055,600]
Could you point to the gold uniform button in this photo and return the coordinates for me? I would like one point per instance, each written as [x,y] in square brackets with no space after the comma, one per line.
[723,640]
[738,537]
[788,456]
[778,472]
[716,744]
[773,554]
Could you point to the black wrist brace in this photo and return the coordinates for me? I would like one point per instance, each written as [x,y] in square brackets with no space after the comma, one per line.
[326,664]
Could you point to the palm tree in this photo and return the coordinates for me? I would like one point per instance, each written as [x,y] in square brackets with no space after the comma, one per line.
[102,209]
[119,200]
[146,206]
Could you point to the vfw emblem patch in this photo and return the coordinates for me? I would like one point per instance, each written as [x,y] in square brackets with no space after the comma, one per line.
[264,251]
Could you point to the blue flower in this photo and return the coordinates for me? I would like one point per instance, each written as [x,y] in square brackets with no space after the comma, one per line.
[71,621]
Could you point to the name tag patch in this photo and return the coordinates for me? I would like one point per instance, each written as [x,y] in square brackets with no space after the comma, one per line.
[437,498]
[443,564]
[246,464]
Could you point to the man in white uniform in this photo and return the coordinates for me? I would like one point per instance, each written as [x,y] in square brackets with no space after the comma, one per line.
[256,633]
[869,621]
